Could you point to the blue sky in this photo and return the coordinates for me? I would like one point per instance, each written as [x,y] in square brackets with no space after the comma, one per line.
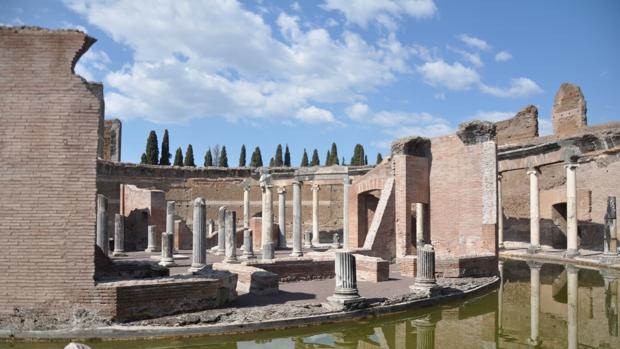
[310,73]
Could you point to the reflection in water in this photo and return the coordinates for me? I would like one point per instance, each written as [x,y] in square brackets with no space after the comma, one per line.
[568,308]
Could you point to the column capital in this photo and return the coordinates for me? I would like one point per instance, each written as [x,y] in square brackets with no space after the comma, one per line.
[315,187]
[571,268]
[499,176]
[296,181]
[281,190]
[246,184]
[346,180]
[571,165]
[199,201]
[533,171]
[534,264]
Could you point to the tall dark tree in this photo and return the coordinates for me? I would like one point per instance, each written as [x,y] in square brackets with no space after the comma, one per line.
[223,157]
[365,159]
[165,150]
[208,158]
[143,159]
[379,158]
[358,156]
[304,159]
[189,157]
[257,158]
[287,157]
[242,156]
[178,157]
[272,162]
[315,159]
[278,158]
[328,158]
[334,156]
[216,154]
[152,149]
[342,163]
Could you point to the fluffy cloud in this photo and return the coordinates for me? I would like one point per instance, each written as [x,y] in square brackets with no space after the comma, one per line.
[91,63]
[384,12]
[451,76]
[474,42]
[473,58]
[519,88]
[493,116]
[503,56]
[224,60]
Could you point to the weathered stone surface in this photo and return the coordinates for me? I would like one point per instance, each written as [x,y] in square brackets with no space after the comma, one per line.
[415,145]
[473,132]
[112,140]
[569,110]
[251,279]
[521,127]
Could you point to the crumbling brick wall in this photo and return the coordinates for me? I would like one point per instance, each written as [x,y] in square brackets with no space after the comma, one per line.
[49,143]
[521,127]
[111,150]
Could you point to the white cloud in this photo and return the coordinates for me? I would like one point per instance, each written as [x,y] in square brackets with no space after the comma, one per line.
[503,56]
[452,76]
[545,127]
[225,60]
[474,42]
[91,63]
[519,88]
[313,114]
[473,58]
[493,116]
[384,12]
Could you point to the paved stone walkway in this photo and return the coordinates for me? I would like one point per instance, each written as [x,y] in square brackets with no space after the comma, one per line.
[586,258]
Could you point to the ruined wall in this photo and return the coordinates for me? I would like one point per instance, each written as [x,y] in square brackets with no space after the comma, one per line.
[49,143]
[141,208]
[111,150]
[569,110]
[521,127]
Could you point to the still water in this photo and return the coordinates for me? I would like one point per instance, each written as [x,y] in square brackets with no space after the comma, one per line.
[545,306]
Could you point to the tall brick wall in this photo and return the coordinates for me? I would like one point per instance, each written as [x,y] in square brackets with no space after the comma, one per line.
[521,127]
[49,142]
[111,150]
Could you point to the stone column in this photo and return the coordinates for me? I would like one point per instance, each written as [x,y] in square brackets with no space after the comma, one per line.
[425,332]
[170,217]
[231,237]
[500,296]
[152,239]
[535,267]
[221,231]
[345,295]
[345,212]
[572,282]
[572,248]
[246,204]
[282,217]
[425,270]
[419,224]
[315,214]
[167,244]
[500,213]
[297,238]
[119,235]
[248,251]
[611,234]
[102,224]
[210,227]
[267,219]
[534,212]
[199,236]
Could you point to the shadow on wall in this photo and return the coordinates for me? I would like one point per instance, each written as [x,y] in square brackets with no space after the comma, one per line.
[136,230]
[551,233]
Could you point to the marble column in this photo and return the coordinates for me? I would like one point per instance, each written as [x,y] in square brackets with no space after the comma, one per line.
[425,332]
[315,214]
[345,212]
[572,248]
[500,213]
[572,282]
[425,270]
[248,250]
[199,236]
[102,224]
[246,204]
[152,239]
[221,231]
[500,298]
[170,217]
[535,267]
[346,294]
[167,244]
[231,237]
[611,234]
[534,212]
[282,217]
[119,235]
[297,238]
[267,219]
[210,228]
[419,224]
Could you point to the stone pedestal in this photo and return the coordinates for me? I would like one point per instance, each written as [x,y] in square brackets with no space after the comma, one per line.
[535,267]
[282,217]
[167,256]
[534,212]
[103,240]
[199,236]
[315,214]
[152,245]
[419,224]
[572,248]
[231,243]
[221,231]
[572,275]
[297,238]
[425,271]
[346,295]
[345,212]
[248,250]
[267,219]
[119,235]
[500,213]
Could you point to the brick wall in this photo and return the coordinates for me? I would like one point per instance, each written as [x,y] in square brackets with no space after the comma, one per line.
[49,143]
[112,140]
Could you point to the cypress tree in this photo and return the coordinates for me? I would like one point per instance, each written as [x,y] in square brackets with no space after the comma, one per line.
[278,159]
[152,151]
[272,162]
[287,157]
[178,157]
[334,156]
[165,150]
[304,159]
[189,157]
[242,156]
[208,158]
[379,158]
[257,158]
[342,163]
[358,155]
[315,159]
[328,158]
[223,157]
[143,159]
[365,159]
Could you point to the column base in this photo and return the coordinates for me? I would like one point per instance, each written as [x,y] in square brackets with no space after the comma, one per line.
[296,254]
[119,254]
[572,253]
[533,249]
[501,246]
[229,260]
[534,342]
[248,256]
[152,249]
[610,258]
[167,262]
[430,290]
[196,267]
[335,246]
[220,252]
[345,302]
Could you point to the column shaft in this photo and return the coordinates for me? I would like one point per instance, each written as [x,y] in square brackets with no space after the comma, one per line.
[419,224]
[246,206]
[119,235]
[152,245]
[297,238]
[221,230]
[572,288]
[345,212]
[572,248]
[315,215]
[167,245]
[534,302]
[231,240]
[282,217]
[199,251]
[102,224]
[248,249]
[500,213]
[534,212]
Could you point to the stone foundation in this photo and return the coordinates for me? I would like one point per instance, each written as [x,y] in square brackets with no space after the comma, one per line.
[251,279]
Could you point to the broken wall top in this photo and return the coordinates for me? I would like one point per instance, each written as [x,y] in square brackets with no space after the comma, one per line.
[569,110]
[521,127]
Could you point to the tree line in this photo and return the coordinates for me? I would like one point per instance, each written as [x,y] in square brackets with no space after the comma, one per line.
[216,156]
